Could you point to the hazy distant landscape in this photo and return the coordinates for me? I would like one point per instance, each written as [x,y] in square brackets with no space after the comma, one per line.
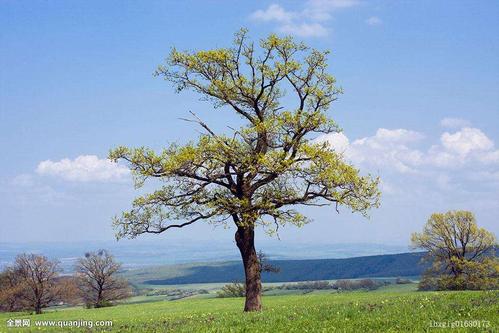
[137,253]
[379,266]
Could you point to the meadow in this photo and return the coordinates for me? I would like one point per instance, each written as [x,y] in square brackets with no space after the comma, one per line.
[395,308]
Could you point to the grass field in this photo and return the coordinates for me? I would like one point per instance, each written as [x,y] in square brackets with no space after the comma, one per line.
[392,309]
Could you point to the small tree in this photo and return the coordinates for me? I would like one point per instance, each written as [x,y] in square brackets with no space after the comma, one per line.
[33,283]
[38,280]
[462,254]
[98,282]
[259,172]
[234,289]
[265,265]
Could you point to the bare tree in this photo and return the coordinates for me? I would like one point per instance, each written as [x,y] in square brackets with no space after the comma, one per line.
[98,282]
[69,290]
[265,265]
[10,290]
[38,279]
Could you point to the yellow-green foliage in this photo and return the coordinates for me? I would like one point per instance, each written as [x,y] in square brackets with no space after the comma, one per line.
[462,254]
[255,175]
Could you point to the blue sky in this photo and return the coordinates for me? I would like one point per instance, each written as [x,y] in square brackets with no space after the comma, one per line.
[421,106]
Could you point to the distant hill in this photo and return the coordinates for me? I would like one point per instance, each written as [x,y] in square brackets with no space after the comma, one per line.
[391,265]
[139,253]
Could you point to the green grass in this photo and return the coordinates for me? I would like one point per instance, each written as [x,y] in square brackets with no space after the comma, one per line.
[395,310]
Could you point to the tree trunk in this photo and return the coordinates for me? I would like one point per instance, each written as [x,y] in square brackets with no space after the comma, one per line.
[38,309]
[245,240]
[99,298]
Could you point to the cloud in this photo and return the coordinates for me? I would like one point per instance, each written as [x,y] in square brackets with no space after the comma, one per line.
[308,22]
[454,123]
[337,141]
[305,30]
[26,189]
[395,149]
[374,20]
[273,13]
[466,141]
[385,148]
[320,10]
[389,147]
[466,146]
[84,168]
[456,169]
[328,5]
[398,136]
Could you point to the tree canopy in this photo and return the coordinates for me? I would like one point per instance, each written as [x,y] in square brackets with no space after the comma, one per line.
[268,166]
[462,253]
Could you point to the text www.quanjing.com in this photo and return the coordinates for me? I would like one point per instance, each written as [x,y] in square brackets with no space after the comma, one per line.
[73,323]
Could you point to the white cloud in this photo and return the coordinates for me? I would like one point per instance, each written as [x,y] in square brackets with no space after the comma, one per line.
[374,20]
[394,149]
[454,169]
[454,123]
[328,5]
[398,136]
[466,140]
[84,168]
[385,148]
[337,141]
[307,22]
[464,147]
[305,30]
[459,168]
[273,13]
[320,10]
[388,147]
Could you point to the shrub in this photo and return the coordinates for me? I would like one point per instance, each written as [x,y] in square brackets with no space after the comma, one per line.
[234,289]
[482,275]
[402,281]
[309,285]
[175,294]
[367,284]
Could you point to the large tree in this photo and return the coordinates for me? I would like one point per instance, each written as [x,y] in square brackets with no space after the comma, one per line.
[255,174]
[461,252]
